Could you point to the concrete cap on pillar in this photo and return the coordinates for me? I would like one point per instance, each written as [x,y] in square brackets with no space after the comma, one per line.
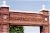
[44,7]
[4,4]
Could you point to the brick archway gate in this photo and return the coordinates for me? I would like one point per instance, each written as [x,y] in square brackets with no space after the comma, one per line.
[25,19]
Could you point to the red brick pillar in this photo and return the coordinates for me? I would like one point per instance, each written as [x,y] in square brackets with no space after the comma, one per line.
[5,28]
[0,29]
[45,29]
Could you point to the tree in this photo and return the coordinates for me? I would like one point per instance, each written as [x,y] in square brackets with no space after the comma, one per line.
[16,29]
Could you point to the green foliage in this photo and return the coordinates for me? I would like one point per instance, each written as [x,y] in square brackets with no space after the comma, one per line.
[16,29]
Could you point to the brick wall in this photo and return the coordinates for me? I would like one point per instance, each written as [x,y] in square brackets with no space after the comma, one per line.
[18,18]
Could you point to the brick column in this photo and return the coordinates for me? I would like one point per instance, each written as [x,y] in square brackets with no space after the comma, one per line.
[0,29]
[5,28]
[45,29]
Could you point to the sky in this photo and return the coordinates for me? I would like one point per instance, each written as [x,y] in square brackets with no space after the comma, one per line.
[34,5]
[27,5]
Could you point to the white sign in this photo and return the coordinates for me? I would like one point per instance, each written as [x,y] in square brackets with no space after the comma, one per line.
[31,29]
